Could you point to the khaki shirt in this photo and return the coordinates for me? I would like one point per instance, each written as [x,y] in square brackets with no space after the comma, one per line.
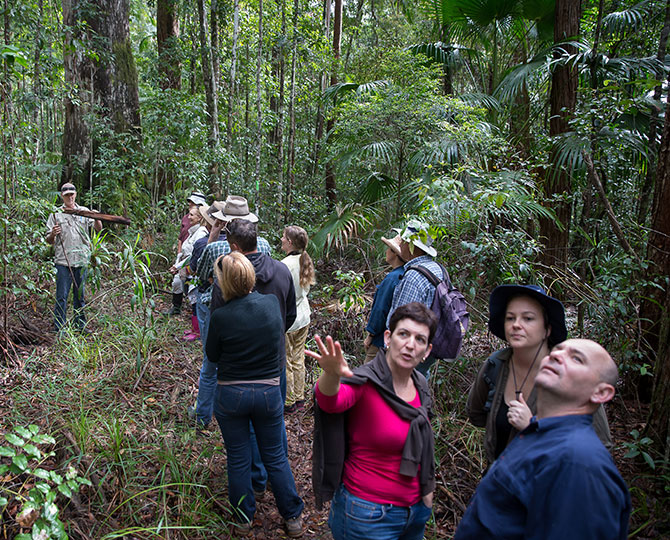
[74,237]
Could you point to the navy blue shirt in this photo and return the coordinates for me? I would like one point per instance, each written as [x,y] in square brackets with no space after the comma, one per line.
[381,304]
[554,481]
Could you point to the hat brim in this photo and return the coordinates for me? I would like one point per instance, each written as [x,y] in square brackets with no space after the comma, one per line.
[394,247]
[428,250]
[68,191]
[203,209]
[228,217]
[501,296]
[196,200]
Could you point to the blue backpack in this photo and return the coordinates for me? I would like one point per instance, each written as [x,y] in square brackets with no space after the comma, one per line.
[453,318]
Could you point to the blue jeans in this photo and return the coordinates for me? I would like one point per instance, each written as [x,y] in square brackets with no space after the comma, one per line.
[63,286]
[235,406]
[353,518]
[258,473]
[207,382]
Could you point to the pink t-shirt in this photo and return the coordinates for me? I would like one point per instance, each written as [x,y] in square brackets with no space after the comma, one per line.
[376,439]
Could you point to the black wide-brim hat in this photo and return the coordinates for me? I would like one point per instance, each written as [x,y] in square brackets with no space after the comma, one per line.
[501,296]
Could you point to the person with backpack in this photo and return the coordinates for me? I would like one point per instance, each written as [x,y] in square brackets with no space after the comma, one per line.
[503,396]
[381,303]
[426,281]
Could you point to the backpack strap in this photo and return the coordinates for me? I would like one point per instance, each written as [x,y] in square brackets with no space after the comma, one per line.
[430,276]
[493,365]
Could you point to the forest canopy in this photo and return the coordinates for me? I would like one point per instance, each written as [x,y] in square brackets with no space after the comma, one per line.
[531,136]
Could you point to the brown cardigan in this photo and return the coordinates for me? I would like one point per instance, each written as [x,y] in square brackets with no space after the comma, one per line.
[480,417]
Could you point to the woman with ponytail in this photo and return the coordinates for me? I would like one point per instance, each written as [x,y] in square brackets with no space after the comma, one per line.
[293,243]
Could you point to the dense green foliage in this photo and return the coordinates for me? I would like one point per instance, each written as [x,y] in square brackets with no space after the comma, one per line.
[441,112]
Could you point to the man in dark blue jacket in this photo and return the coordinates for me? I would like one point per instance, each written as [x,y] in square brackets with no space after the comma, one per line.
[556,480]
[272,277]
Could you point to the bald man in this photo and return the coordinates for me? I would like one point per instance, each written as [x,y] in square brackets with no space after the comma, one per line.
[556,480]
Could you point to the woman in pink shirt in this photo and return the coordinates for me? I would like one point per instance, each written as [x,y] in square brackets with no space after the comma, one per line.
[378,465]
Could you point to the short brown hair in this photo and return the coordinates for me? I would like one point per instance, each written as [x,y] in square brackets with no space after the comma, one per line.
[417,312]
[235,275]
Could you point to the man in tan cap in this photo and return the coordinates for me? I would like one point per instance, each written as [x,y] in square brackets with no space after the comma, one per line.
[381,304]
[69,234]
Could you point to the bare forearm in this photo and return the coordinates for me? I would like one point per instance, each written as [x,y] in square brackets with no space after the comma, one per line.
[329,384]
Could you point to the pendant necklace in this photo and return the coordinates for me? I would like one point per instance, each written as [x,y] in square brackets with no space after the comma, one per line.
[517,389]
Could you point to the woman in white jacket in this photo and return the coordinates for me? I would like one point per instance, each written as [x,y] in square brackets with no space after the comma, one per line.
[180,269]
[293,243]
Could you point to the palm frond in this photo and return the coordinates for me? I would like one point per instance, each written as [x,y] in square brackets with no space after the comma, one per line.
[447,54]
[383,151]
[627,139]
[568,148]
[516,77]
[510,194]
[339,90]
[627,21]
[336,91]
[341,226]
[479,99]
[377,186]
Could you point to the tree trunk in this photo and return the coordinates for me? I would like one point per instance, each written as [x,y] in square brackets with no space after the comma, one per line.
[212,104]
[291,137]
[647,187]
[337,40]
[115,82]
[37,85]
[259,112]
[277,105]
[78,68]
[654,307]
[233,88]
[563,99]
[320,119]
[658,421]
[214,33]
[167,34]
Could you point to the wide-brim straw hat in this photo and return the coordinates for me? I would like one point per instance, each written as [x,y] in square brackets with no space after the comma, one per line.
[393,244]
[554,309]
[235,207]
[207,212]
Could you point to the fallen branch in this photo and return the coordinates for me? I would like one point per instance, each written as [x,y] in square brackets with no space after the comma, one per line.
[97,215]
[618,231]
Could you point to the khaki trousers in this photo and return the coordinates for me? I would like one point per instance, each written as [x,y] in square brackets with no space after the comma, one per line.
[295,365]
[370,353]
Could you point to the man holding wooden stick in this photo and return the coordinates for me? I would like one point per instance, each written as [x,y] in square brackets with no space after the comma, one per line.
[69,234]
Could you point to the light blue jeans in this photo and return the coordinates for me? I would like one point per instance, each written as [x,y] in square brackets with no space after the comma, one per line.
[207,381]
[353,518]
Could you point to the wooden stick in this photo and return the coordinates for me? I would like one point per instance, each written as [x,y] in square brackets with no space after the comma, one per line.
[97,215]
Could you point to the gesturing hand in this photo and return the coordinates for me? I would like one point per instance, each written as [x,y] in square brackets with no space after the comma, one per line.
[331,358]
[519,414]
